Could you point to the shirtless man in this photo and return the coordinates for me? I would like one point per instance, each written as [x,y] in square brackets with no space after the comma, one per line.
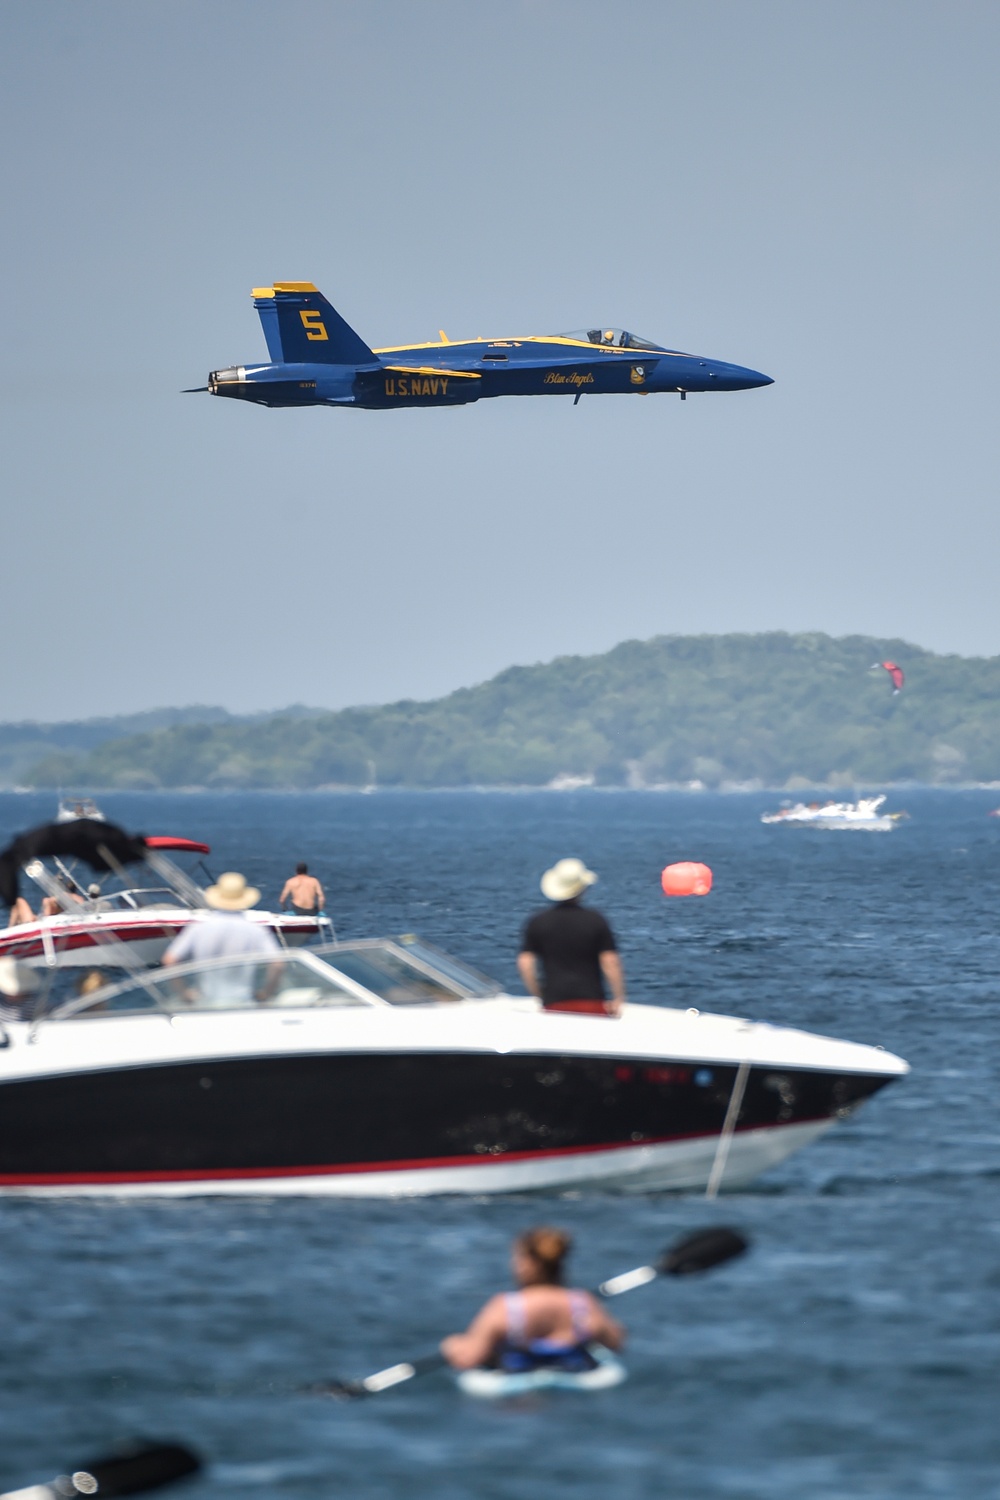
[53,907]
[305,893]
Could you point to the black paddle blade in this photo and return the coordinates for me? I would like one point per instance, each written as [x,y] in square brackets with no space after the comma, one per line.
[380,1380]
[193,390]
[340,1390]
[701,1251]
[135,1467]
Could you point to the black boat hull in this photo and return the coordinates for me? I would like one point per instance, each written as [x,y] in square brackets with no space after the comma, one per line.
[409,1122]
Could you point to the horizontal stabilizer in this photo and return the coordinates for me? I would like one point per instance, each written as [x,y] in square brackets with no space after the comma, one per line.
[301,327]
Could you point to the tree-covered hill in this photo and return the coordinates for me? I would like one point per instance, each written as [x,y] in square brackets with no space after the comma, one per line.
[24,744]
[774,708]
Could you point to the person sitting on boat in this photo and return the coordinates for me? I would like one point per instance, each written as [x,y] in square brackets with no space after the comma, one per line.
[543,1324]
[20,913]
[574,945]
[305,892]
[227,934]
[52,906]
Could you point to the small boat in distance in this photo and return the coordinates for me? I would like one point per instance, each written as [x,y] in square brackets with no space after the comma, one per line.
[72,808]
[865,813]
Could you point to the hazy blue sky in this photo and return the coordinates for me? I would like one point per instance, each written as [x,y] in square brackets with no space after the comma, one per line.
[809,189]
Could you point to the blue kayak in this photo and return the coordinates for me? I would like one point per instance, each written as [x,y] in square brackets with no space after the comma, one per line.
[490,1384]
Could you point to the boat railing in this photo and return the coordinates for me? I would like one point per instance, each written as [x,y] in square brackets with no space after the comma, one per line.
[59,889]
[189,890]
[137,899]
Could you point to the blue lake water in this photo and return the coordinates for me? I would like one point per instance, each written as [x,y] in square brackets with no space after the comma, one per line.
[854,1353]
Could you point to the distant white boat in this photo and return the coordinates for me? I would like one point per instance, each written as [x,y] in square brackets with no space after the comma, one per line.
[73,808]
[865,813]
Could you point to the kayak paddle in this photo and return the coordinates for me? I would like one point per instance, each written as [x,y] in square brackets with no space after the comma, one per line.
[700,1251]
[133,1467]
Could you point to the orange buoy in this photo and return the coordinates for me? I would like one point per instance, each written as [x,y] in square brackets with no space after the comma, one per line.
[686,879]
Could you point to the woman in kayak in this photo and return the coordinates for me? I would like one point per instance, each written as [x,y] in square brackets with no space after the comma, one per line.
[544,1324]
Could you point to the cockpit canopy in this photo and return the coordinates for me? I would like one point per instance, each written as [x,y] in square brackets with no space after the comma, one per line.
[610,338]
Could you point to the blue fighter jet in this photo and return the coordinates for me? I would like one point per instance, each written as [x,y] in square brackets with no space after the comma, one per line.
[318,360]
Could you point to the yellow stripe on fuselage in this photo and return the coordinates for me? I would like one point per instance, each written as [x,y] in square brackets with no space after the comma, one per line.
[531,338]
[431,370]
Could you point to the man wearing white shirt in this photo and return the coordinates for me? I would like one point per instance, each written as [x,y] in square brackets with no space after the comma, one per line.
[225,934]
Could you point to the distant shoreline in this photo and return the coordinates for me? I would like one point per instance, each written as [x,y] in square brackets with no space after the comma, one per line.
[798,793]
[799,715]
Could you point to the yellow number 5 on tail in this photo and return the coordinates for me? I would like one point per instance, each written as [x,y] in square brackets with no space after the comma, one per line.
[312,322]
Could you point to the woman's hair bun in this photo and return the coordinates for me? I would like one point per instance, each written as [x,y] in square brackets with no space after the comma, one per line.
[548,1246]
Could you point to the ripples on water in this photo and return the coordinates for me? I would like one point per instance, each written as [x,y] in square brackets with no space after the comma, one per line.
[854,1353]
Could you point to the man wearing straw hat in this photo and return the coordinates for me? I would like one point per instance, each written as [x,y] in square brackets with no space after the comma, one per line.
[226,933]
[574,946]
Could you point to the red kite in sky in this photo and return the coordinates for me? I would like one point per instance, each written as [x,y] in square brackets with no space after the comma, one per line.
[896,673]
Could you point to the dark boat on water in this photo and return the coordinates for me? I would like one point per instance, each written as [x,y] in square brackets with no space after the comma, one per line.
[385,1068]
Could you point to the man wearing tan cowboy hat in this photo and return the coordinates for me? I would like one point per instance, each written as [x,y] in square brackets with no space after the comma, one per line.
[575,947]
[226,933]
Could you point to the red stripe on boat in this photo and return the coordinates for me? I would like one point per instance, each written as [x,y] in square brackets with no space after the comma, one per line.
[421,1164]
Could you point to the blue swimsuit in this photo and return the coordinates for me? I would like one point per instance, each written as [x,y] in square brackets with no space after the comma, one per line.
[517,1352]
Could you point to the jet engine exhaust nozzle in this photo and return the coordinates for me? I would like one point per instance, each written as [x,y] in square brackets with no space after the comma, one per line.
[227,382]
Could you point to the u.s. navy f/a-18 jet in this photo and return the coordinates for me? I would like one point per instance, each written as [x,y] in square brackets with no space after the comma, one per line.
[316,359]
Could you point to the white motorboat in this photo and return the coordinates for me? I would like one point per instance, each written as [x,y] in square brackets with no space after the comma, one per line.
[865,813]
[385,1068]
[71,809]
[125,919]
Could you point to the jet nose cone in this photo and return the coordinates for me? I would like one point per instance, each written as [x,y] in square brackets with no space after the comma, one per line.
[738,378]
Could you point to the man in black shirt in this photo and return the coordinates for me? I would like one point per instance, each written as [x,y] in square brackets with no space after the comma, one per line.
[575,947]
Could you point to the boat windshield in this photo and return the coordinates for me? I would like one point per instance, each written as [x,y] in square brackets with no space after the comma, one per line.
[475,985]
[407,971]
[610,338]
[274,979]
[376,972]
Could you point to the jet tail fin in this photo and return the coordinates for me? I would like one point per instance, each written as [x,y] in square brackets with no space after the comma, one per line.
[301,327]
